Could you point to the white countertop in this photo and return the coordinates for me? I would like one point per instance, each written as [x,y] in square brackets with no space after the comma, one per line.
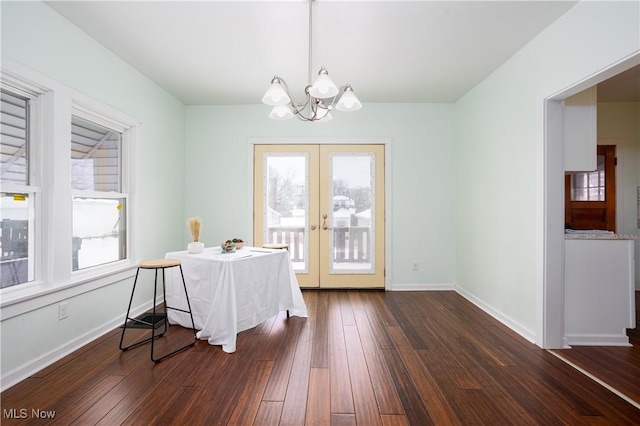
[600,237]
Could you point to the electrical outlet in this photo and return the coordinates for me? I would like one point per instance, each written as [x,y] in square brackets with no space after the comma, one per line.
[416,266]
[63,310]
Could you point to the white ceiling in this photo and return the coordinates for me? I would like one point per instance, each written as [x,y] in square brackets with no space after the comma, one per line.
[624,87]
[226,52]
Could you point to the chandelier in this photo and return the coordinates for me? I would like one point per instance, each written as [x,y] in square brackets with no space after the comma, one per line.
[320,97]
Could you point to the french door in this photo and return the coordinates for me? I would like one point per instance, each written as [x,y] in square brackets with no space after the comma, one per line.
[326,202]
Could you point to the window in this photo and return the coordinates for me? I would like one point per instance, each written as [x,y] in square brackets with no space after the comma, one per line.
[99,203]
[589,186]
[66,193]
[17,199]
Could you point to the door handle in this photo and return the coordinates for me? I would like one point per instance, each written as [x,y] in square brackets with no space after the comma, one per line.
[313,227]
[324,222]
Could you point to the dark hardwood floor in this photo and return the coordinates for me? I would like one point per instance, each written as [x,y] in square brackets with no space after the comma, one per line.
[362,357]
[618,367]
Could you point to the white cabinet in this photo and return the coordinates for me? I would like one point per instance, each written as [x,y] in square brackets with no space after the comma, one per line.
[599,289]
[580,131]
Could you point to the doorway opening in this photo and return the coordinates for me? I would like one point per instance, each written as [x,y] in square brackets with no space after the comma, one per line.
[551,299]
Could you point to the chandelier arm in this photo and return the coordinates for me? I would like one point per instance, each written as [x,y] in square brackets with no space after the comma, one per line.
[312,111]
[296,107]
[303,118]
[313,108]
[299,108]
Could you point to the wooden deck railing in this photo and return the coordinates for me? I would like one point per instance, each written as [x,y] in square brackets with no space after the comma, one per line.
[351,244]
[13,239]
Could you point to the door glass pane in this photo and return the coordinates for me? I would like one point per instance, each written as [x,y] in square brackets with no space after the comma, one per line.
[589,186]
[352,216]
[286,201]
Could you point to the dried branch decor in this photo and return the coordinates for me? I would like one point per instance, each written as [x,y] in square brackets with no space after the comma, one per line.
[194,227]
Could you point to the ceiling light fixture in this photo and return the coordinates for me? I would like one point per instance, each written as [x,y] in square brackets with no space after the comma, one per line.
[321,96]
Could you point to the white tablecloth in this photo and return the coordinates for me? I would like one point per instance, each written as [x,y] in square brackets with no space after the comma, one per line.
[232,292]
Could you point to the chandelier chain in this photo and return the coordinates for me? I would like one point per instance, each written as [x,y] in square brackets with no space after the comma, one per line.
[310,36]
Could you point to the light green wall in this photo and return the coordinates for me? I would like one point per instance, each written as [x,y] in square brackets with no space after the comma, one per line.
[40,39]
[619,123]
[422,227]
[499,155]
[464,177]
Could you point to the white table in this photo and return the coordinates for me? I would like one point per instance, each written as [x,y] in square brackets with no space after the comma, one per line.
[232,292]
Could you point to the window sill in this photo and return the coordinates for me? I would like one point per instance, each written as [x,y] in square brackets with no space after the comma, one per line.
[37,295]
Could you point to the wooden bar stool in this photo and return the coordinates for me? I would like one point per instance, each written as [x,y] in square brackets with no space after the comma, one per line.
[151,320]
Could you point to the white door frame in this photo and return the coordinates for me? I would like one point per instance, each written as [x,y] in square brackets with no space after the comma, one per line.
[550,292]
[333,141]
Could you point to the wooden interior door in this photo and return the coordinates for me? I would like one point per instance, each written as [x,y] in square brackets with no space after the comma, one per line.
[326,202]
[590,197]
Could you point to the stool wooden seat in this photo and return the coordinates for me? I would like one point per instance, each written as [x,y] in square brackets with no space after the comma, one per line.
[155,317]
[159,263]
[279,246]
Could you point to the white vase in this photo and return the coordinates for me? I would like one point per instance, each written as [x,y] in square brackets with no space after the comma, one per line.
[195,247]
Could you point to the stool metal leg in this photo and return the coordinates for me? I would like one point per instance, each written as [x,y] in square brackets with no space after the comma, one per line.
[155,315]
[164,295]
[141,322]
[126,318]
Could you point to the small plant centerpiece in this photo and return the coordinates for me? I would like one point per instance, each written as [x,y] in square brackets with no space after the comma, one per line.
[194,227]
[228,246]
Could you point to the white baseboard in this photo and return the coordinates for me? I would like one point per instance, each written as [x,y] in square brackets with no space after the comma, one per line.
[421,287]
[597,340]
[513,325]
[15,376]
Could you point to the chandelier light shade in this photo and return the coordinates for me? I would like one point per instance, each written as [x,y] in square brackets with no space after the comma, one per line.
[281,112]
[323,87]
[348,101]
[320,97]
[276,95]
